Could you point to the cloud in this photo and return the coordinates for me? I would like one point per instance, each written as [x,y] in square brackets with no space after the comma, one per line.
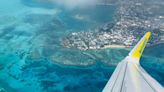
[44,11]
[79,17]
[74,3]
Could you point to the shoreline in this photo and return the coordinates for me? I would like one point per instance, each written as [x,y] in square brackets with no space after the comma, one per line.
[116,46]
[123,46]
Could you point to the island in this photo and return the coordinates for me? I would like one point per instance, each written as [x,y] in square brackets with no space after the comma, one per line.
[131,21]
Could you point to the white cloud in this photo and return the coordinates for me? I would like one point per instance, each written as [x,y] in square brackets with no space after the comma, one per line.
[44,11]
[75,3]
[79,17]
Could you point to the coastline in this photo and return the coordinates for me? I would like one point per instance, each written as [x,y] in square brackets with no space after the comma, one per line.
[116,46]
[123,46]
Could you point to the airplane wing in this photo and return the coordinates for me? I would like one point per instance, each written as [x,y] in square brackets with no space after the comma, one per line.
[129,76]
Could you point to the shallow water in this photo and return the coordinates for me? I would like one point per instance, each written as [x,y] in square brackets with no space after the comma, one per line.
[32,59]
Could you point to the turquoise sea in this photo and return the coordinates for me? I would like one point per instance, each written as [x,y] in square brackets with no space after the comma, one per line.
[33,60]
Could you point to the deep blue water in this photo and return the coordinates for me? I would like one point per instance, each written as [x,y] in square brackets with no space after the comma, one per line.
[32,59]
[153,62]
[77,18]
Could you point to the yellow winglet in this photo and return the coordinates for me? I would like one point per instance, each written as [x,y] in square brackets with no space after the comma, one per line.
[138,49]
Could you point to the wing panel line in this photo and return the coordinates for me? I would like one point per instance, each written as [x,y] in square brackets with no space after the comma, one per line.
[116,78]
[144,78]
[124,77]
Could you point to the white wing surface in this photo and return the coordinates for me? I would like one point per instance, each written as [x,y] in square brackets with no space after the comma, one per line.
[129,76]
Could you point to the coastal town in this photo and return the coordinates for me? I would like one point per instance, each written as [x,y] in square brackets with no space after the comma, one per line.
[131,21]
